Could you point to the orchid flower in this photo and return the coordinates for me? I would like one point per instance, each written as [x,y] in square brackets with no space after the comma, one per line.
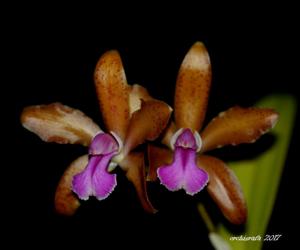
[184,165]
[131,117]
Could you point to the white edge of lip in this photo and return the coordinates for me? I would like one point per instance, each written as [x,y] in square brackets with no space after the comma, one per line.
[119,156]
[174,138]
[98,133]
[119,140]
[198,140]
[112,166]
[196,136]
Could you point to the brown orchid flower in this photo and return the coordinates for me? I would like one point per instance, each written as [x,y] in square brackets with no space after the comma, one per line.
[188,167]
[131,117]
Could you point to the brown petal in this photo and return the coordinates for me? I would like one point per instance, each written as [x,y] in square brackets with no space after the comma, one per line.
[147,123]
[237,125]
[157,157]
[133,165]
[136,95]
[113,92]
[192,88]
[66,202]
[169,132]
[224,188]
[59,123]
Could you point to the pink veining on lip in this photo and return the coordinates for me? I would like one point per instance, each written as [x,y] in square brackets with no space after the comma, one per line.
[183,172]
[94,180]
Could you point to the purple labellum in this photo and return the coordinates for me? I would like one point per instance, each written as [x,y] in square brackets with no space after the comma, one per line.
[95,180]
[103,144]
[184,173]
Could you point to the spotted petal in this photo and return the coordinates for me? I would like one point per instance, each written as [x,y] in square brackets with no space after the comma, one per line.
[192,88]
[224,188]
[237,125]
[133,165]
[168,133]
[113,92]
[59,123]
[66,202]
[147,123]
[157,157]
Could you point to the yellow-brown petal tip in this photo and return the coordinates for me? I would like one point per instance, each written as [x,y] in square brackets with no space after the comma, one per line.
[224,188]
[238,125]
[113,92]
[59,123]
[192,88]
[66,202]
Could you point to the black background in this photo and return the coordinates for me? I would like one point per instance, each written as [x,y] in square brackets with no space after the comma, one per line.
[53,56]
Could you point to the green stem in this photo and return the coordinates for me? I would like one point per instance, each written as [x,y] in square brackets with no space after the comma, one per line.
[206,218]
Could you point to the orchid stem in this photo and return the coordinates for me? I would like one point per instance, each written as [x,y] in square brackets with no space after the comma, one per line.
[206,218]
